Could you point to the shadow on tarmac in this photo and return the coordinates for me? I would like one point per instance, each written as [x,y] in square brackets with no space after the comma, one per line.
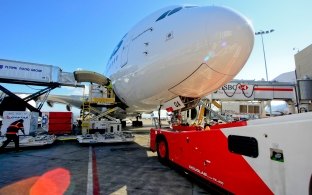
[134,169]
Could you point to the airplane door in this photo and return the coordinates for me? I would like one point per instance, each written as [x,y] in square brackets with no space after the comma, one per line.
[124,54]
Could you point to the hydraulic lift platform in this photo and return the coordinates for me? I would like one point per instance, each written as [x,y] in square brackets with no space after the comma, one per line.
[98,123]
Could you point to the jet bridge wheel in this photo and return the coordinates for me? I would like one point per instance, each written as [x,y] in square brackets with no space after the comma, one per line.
[162,150]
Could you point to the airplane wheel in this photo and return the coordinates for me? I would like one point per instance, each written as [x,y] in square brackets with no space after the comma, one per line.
[162,151]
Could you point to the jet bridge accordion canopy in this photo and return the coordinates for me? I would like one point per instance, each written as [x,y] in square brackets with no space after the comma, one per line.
[89,76]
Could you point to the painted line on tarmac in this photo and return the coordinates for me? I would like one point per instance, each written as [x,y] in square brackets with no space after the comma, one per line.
[90,174]
[93,187]
[96,186]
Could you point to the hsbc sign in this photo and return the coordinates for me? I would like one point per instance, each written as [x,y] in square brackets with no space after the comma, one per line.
[235,86]
[243,87]
[242,91]
[234,91]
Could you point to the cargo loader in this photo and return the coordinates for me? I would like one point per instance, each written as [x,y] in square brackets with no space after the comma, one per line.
[98,123]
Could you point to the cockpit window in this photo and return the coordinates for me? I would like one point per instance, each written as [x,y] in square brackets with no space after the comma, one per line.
[163,15]
[175,10]
[190,6]
[168,13]
[116,49]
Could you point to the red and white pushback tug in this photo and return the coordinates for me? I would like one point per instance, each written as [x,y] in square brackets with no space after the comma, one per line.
[265,156]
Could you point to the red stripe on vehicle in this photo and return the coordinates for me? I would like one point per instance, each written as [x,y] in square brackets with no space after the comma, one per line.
[170,109]
[272,89]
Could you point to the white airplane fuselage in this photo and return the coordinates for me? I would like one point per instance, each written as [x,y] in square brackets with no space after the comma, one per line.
[189,53]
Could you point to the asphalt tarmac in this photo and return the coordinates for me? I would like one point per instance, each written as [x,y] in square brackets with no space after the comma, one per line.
[66,167]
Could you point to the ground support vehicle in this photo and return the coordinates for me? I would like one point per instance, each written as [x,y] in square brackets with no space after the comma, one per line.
[30,141]
[98,122]
[264,156]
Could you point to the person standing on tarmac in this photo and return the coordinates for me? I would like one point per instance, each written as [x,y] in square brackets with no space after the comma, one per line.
[12,134]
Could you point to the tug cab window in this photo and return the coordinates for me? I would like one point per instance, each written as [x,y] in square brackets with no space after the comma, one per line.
[243,145]
[175,11]
[163,15]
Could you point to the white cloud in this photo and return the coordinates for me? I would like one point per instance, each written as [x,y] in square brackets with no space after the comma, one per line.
[77,90]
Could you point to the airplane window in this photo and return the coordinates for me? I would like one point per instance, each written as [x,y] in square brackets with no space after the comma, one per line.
[175,10]
[163,15]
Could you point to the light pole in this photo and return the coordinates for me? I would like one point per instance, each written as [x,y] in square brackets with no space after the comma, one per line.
[261,33]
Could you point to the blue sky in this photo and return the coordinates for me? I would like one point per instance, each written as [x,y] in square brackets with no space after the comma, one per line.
[82,34]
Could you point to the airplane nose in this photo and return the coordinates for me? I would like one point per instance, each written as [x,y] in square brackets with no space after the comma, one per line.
[229,42]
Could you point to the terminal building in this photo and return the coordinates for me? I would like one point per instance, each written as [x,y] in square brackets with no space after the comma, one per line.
[303,60]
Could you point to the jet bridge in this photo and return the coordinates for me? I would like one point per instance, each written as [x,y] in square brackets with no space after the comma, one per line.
[235,93]
[245,90]
[49,76]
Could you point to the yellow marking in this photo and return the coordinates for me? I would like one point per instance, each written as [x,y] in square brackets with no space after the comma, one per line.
[214,102]
[103,100]
[85,124]
[201,115]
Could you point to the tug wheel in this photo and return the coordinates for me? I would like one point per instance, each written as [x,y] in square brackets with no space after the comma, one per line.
[162,151]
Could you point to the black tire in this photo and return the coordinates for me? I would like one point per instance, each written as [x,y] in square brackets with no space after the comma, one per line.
[123,124]
[194,113]
[310,186]
[137,124]
[162,151]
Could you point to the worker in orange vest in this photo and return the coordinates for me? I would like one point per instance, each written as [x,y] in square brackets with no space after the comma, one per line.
[12,134]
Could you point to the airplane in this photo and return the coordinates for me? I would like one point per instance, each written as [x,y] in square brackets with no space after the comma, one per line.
[179,53]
